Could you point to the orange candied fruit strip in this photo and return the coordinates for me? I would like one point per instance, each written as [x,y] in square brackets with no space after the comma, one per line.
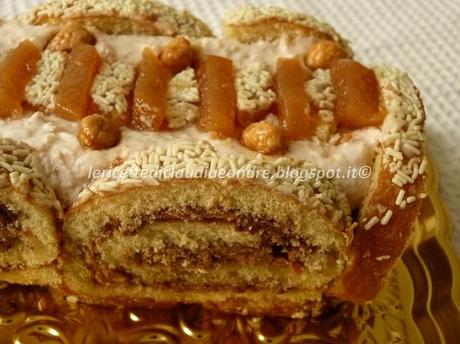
[357,91]
[16,70]
[216,80]
[294,107]
[150,93]
[73,95]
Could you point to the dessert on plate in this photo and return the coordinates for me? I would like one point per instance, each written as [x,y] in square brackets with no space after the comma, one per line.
[144,161]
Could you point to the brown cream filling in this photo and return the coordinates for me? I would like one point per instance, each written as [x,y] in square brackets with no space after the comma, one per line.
[207,258]
[269,229]
[10,228]
[278,247]
[173,259]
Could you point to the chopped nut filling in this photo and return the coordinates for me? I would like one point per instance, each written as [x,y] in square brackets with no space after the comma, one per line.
[10,228]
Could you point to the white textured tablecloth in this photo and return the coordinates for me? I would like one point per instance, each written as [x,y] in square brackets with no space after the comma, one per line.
[418,36]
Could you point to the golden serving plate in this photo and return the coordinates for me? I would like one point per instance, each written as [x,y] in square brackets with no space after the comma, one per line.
[421,304]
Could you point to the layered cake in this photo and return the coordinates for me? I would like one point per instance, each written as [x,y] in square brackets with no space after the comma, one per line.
[144,161]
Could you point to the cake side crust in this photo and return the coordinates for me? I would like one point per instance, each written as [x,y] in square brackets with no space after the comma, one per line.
[251,24]
[396,194]
[120,17]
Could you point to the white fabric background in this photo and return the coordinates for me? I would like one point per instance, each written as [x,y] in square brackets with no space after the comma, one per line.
[418,36]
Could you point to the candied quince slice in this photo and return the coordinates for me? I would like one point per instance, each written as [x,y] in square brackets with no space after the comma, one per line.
[150,93]
[216,80]
[357,91]
[294,107]
[16,70]
[71,35]
[73,94]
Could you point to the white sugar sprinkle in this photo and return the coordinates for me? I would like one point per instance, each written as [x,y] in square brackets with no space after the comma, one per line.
[422,167]
[411,199]
[386,218]
[371,223]
[404,140]
[188,156]
[400,197]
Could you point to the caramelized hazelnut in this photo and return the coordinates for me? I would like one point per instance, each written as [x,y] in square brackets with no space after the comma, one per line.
[98,132]
[323,53]
[178,54]
[263,137]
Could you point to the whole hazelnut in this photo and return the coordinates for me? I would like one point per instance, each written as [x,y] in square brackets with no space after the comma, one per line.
[263,137]
[98,132]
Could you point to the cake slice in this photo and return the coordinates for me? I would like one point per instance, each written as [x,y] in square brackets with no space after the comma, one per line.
[29,214]
[217,242]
